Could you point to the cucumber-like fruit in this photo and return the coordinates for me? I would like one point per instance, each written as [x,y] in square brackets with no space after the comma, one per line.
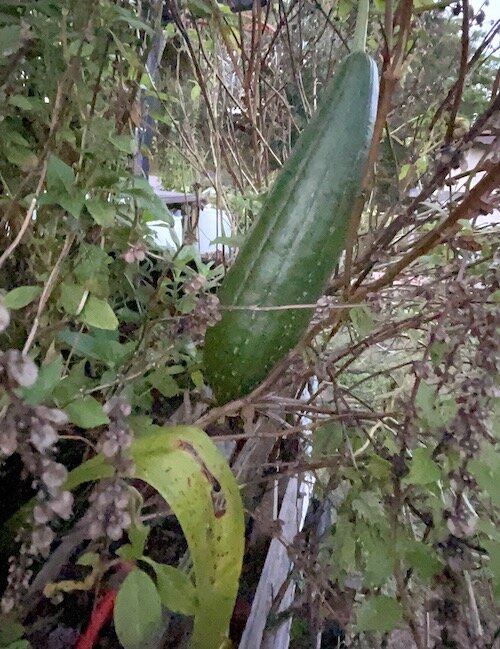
[292,249]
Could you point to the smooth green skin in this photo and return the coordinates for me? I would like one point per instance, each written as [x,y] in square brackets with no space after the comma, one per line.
[292,249]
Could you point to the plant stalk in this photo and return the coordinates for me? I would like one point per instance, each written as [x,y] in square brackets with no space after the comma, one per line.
[359,40]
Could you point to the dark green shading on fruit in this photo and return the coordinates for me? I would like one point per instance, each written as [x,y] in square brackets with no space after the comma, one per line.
[291,251]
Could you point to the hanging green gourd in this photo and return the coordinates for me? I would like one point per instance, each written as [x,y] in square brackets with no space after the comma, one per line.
[293,247]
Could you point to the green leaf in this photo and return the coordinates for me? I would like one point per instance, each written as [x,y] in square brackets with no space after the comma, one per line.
[379,613]
[185,467]
[486,472]
[176,590]
[138,535]
[363,320]
[23,103]
[162,380]
[86,412]
[124,143]
[379,467]
[197,378]
[14,137]
[10,39]
[102,212]
[423,559]
[130,18]
[92,269]
[21,157]
[145,198]
[48,377]
[89,559]
[423,469]
[369,506]
[195,92]
[435,410]
[71,297]
[493,549]
[134,550]
[59,175]
[327,439]
[108,351]
[21,296]
[232,242]
[404,171]
[71,387]
[98,313]
[10,627]
[137,613]
[379,562]
[344,545]
[72,203]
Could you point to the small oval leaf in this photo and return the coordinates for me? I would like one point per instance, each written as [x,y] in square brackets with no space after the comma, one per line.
[176,590]
[21,296]
[137,613]
[86,413]
[97,313]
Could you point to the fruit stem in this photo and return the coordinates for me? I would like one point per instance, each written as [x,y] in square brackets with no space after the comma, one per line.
[359,40]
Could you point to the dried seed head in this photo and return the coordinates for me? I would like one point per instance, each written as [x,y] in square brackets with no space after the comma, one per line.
[54,474]
[42,513]
[194,284]
[4,317]
[8,438]
[109,513]
[20,368]
[62,505]
[43,436]
[41,540]
[54,415]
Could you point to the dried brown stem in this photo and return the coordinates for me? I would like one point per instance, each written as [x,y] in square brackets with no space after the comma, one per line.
[469,207]
[459,84]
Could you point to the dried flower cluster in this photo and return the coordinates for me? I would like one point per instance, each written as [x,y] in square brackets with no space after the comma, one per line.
[472,320]
[115,441]
[4,317]
[109,514]
[323,309]
[32,433]
[111,501]
[206,314]
[194,284]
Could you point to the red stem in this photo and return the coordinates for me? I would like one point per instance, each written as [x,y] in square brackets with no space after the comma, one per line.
[101,615]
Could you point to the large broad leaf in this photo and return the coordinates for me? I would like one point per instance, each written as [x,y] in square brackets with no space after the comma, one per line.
[186,468]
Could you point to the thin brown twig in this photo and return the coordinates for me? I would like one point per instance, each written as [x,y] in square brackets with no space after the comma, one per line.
[48,288]
[438,178]
[475,57]
[459,84]
[468,207]
[28,218]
